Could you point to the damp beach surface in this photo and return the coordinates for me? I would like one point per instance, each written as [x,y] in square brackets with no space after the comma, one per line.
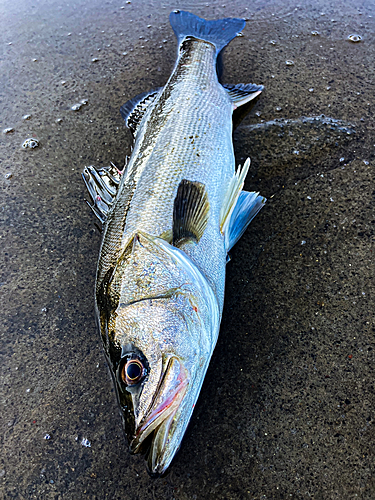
[287,406]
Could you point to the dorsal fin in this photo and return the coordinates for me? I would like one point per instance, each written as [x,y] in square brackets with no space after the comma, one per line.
[243,92]
[246,208]
[134,109]
[190,211]
[239,207]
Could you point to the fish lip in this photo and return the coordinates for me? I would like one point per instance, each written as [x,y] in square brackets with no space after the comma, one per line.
[157,424]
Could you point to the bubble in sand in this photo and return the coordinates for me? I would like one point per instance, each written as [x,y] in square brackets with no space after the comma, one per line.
[354,38]
[94,59]
[273,42]
[289,62]
[31,143]
[315,33]
[8,175]
[26,117]
[77,106]
[8,130]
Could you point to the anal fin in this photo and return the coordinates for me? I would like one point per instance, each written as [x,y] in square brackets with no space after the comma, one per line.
[134,109]
[190,211]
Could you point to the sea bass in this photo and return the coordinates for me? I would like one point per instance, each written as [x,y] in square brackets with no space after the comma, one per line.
[169,219]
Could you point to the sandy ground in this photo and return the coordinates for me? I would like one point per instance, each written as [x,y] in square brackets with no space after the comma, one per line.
[287,407]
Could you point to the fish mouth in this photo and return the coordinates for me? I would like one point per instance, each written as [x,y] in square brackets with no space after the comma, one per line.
[152,436]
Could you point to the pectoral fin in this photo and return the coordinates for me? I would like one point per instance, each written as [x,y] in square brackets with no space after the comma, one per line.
[190,212]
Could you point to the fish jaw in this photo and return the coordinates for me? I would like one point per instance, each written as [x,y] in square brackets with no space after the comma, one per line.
[159,423]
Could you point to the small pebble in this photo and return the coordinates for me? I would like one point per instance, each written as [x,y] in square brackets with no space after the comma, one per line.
[289,62]
[278,108]
[94,59]
[30,143]
[354,38]
[47,436]
[8,130]
[8,175]
[26,117]
[85,442]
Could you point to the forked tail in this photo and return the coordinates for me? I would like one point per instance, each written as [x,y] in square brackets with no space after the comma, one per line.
[219,33]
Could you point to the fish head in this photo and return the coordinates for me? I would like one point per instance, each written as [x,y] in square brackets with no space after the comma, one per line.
[159,339]
[162,357]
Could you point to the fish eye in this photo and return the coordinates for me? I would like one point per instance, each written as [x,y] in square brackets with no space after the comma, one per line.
[132,372]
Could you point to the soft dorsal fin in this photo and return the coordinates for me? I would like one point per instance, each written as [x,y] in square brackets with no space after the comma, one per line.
[134,109]
[243,92]
[190,211]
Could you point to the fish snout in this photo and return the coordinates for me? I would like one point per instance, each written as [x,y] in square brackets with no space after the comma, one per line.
[154,434]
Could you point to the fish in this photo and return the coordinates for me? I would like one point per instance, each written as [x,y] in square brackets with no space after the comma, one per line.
[169,219]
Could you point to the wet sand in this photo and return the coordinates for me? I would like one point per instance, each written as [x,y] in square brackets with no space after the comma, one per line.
[287,407]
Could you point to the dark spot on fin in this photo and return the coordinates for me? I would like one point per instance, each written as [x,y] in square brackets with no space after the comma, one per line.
[134,110]
[190,211]
[243,92]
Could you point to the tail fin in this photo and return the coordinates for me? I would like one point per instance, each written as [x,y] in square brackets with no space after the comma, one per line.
[219,33]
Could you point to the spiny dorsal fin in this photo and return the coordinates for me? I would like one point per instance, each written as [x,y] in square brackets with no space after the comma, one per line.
[231,196]
[246,208]
[243,92]
[134,109]
[190,211]
[239,207]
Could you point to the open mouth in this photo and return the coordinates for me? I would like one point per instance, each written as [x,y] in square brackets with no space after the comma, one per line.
[151,437]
